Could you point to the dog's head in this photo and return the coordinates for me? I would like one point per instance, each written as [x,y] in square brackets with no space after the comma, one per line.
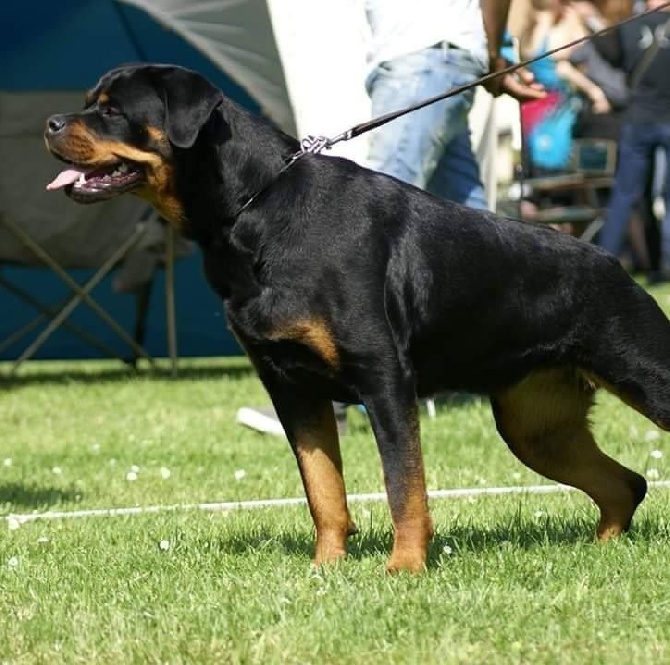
[125,139]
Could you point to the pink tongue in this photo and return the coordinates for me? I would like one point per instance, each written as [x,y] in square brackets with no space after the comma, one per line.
[66,177]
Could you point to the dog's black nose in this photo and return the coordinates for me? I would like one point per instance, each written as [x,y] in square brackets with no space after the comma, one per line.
[55,124]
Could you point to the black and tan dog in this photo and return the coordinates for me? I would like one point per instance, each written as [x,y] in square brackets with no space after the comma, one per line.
[344,284]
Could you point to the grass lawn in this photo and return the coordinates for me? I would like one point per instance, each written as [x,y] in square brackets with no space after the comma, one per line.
[512,579]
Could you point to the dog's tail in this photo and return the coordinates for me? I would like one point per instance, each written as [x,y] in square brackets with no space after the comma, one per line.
[629,354]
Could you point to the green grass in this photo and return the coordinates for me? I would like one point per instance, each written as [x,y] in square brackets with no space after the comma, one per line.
[512,579]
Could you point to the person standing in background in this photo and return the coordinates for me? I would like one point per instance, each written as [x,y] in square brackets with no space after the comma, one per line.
[547,124]
[642,49]
[419,50]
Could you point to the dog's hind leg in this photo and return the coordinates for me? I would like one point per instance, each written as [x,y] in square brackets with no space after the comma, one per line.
[544,420]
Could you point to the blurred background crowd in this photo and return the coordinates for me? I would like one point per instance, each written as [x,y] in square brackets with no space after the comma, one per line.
[607,96]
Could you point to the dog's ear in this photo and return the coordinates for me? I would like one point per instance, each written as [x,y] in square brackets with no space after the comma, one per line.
[190,100]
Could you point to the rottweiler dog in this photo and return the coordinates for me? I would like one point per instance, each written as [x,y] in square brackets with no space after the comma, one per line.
[345,284]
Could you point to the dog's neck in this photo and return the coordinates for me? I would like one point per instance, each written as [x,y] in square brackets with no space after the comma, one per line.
[237,155]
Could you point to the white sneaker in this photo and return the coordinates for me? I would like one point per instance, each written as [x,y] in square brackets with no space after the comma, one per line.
[262,419]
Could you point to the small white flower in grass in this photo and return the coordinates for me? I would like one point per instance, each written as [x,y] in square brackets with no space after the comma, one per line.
[651,435]
[239,474]
[538,514]
[165,473]
[13,562]
[135,468]
[13,523]
[164,545]
[653,473]
[656,454]
[7,462]
[447,550]
[57,471]
[131,475]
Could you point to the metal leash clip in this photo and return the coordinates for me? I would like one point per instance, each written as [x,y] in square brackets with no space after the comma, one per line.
[314,144]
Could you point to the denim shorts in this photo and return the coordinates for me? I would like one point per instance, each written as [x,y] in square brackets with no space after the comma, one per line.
[429,148]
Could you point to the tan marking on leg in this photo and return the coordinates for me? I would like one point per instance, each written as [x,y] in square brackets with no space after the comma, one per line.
[320,463]
[413,528]
[313,333]
[544,420]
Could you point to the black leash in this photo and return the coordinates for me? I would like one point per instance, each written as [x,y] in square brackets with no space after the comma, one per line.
[315,144]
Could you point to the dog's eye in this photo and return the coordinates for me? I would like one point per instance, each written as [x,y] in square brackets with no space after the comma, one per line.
[110,111]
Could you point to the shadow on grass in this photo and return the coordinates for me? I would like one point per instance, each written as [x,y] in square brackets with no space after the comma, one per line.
[550,532]
[121,374]
[15,496]
[459,540]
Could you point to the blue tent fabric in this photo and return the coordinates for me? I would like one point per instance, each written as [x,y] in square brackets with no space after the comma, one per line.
[67,46]
[48,46]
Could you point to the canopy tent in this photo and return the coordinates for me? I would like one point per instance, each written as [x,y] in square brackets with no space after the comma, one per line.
[261,52]
[66,46]
[52,52]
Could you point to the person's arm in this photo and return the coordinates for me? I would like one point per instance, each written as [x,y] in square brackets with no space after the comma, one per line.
[520,84]
[607,43]
[494,13]
[590,15]
[567,71]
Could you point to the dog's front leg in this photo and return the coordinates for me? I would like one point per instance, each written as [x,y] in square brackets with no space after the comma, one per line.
[394,416]
[311,428]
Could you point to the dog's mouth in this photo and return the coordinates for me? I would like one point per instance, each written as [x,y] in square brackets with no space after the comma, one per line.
[88,184]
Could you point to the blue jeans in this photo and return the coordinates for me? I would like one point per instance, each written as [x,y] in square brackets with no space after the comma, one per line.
[638,144]
[429,148]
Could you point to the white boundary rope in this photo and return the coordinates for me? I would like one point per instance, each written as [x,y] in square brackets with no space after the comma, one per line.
[229,506]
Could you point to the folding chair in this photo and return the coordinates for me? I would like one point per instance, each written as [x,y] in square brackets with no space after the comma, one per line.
[56,315]
[38,228]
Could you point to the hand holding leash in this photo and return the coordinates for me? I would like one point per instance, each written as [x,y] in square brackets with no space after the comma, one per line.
[519,84]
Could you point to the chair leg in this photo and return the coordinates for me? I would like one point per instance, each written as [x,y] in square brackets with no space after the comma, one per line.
[142,300]
[48,312]
[169,300]
[81,293]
